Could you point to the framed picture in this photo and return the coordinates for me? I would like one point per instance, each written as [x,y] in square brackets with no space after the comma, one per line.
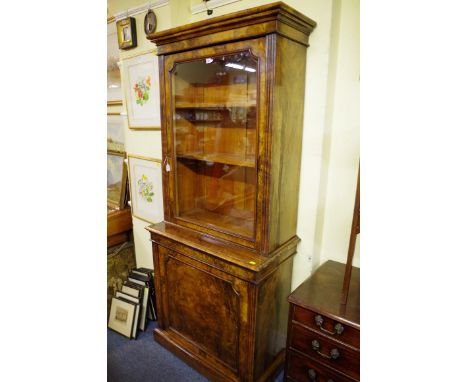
[115,133]
[132,291]
[127,297]
[144,305]
[145,188]
[122,316]
[126,31]
[141,84]
[116,179]
[114,86]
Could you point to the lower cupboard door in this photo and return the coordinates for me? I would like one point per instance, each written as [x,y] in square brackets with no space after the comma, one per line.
[204,307]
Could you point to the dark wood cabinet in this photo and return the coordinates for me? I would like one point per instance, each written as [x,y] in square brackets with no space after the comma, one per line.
[323,334]
[232,93]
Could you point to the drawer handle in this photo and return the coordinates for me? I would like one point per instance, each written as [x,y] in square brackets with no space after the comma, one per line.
[334,353]
[313,375]
[338,327]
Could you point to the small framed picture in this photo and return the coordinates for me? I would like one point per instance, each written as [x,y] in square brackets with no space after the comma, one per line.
[114,85]
[126,32]
[127,297]
[122,316]
[146,188]
[141,89]
[116,179]
[115,133]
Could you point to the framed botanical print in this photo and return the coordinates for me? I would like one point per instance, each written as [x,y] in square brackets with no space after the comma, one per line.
[115,133]
[146,188]
[116,179]
[141,83]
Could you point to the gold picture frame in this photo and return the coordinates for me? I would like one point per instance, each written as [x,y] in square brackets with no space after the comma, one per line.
[116,179]
[118,102]
[115,132]
[126,32]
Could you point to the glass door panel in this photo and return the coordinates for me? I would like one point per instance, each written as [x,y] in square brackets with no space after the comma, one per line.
[215,135]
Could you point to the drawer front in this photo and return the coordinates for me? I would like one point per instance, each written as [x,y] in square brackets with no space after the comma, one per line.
[302,369]
[329,327]
[324,350]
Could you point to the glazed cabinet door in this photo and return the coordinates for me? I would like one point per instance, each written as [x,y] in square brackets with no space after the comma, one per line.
[214,101]
[206,311]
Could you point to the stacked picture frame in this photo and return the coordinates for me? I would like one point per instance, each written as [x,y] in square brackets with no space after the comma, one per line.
[134,304]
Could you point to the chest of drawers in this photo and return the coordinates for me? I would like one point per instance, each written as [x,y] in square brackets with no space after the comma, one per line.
[323,335]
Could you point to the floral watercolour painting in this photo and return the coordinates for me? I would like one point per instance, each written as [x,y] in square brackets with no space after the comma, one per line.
[146,188]
[142,92]
[116,179]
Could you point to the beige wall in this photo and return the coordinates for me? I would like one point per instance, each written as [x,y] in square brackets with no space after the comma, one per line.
[331,124]
[340,159]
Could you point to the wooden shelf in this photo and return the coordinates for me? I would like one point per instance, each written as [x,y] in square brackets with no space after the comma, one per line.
[222,123]
[209,105]
[205,120]
[231,159]
[241,225]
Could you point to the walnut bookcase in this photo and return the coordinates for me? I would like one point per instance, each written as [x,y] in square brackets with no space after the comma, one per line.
[232,90]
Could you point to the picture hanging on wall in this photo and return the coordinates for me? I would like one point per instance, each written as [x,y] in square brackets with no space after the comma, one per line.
[126,29]
[115,133]
[114,85]
[141,83]
[116,179]
[145,188]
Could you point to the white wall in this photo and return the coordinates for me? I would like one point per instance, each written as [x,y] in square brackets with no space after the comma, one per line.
[331,125]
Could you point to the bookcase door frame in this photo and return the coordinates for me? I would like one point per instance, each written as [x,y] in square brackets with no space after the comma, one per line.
[258,48]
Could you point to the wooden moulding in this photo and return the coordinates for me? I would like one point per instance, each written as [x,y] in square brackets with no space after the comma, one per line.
[254,22]
[234,259]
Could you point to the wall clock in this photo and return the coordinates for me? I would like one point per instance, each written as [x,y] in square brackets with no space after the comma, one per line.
[150,22]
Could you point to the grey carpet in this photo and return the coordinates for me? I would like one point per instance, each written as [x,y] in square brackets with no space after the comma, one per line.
[144,360]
